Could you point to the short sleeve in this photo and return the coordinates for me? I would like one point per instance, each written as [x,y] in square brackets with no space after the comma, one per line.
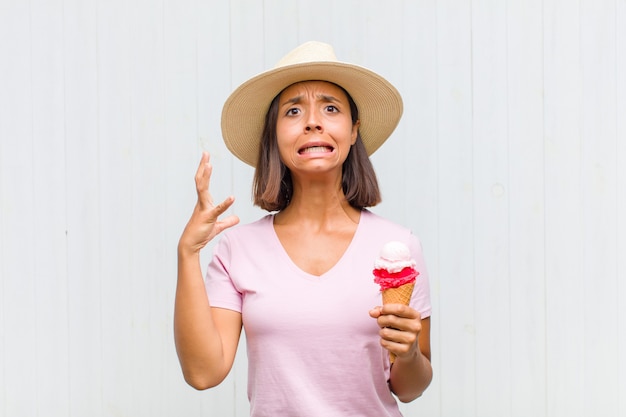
[420,300]
[220,288]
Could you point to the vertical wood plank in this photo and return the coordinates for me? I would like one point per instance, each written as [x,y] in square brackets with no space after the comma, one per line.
[563,239]
[17,199]
[349,29]
[526,207]
[83,208]
[3,220]
[598,188]
[419,87]
[151,343]
[455,202]
[115,179]
[388,160]
[620,122]
[50,252]
[491,208]
[310,27]
[3,216]
[279,18]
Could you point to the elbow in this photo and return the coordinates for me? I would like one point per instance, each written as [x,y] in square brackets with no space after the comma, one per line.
[198,384]
[202,381]
[409,391]
[200,374]
[408,398]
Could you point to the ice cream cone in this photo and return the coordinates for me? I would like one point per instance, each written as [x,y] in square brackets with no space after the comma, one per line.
[398,295]
[394,271]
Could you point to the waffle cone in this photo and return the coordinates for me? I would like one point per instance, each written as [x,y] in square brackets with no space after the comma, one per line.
[399,295]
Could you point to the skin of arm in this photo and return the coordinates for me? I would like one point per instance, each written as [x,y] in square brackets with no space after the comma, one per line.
[206,338]
[403,332]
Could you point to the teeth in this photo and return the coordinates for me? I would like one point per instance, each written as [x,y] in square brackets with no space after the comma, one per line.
[315,149]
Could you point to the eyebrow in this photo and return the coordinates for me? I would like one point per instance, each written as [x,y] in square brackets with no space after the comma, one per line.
[320,97]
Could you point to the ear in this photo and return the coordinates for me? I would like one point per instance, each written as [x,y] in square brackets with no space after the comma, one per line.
[355,131]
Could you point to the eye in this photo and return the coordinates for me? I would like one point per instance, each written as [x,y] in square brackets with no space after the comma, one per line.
[293,111]
[332,109]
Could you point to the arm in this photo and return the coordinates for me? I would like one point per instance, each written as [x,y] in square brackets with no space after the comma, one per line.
[412,374]
[206,338]
[404,333]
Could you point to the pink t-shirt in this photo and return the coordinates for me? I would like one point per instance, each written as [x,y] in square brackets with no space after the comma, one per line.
[313,349]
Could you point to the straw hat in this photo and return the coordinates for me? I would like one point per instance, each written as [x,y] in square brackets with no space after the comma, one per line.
[243,115]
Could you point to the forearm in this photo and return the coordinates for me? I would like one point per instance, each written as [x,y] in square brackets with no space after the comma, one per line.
[198,342]
[410,376]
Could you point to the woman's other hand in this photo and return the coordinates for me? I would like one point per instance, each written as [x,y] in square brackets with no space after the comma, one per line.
[407,335]
[400,327]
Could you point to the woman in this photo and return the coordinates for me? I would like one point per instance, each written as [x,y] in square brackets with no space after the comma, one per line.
[299,280]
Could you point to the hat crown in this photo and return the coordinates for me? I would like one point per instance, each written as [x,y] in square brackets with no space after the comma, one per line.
[311,51]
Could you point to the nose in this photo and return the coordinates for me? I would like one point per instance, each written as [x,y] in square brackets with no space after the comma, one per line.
[310,127]
[313,123]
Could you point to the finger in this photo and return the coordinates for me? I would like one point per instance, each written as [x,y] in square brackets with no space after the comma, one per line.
[223,206]
[391,320]
[224,224]
[393,338]
[203,178]
[203,160]
[412,325]
[400,310]
[397,348]
[375,312]
[399,334]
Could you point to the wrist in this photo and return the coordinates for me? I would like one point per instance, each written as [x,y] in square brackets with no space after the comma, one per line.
[187,251]
[409,357]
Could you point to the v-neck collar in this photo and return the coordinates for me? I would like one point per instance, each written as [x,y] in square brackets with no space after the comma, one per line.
[300,272]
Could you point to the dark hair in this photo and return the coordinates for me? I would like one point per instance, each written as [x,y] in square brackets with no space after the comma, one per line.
[272,186]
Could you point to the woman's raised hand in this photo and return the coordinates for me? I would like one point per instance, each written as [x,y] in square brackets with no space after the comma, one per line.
[204,224]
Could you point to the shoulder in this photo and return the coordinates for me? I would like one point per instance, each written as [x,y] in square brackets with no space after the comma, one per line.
[257,228]
[377,224]
[378,230]
[250,237]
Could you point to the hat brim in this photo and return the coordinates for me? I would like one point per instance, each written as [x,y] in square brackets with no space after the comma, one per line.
[243,114]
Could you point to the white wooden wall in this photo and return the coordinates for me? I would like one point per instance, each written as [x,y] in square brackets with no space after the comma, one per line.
[509,163]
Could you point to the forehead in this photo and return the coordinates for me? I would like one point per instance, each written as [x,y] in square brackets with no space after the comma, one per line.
[313,87]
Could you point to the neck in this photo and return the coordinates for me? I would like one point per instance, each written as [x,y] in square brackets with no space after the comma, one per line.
[319,203]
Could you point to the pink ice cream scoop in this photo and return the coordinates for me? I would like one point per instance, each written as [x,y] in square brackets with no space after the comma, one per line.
[394,266]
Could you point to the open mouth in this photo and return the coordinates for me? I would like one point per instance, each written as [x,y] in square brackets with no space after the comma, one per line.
[316,149]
